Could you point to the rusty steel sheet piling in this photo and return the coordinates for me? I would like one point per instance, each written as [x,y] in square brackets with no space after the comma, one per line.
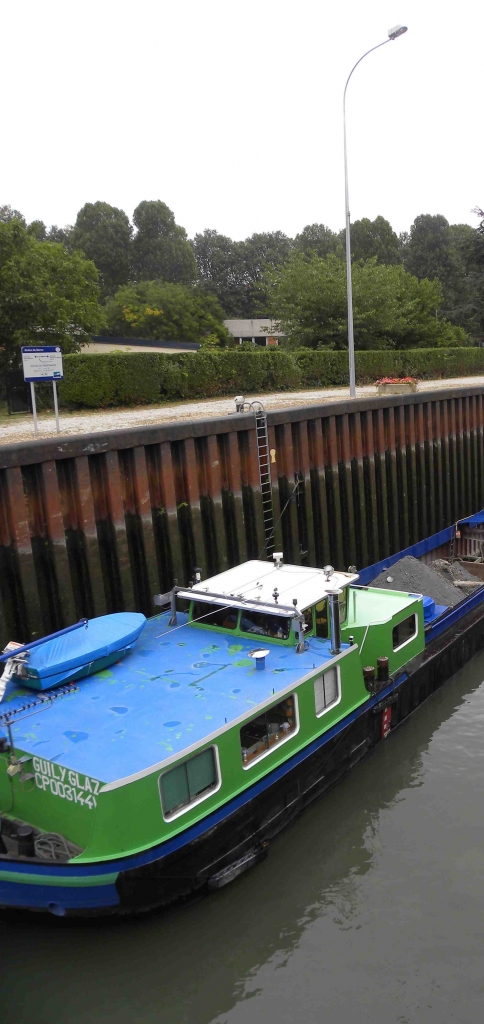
[101,522]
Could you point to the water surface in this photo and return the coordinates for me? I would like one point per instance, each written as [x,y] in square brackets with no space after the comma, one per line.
[370,908]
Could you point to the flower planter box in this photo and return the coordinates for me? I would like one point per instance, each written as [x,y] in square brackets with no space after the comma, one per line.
[397,389]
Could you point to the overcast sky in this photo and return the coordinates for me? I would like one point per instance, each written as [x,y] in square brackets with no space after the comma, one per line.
[231,112]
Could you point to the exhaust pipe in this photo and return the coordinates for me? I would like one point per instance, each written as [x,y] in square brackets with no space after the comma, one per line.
[334,622]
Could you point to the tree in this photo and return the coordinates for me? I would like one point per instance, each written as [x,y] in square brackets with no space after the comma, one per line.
[158,310]
[473,244]
[47,295]
[221,269]
[38,230]
[373,238]
[234,271]
[7,215]
[60,235]
[436,249]
[268,249]
[461,286]
[103,233]
[391,308]
[472,250]
[318,239]
[160,247]
[261,253]
[428,250]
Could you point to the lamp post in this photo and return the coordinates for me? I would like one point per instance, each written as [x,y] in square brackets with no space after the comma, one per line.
[393,33]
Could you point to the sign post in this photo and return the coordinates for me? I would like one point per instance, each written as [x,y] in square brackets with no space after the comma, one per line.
[34,408]
[41,363]
[56,406]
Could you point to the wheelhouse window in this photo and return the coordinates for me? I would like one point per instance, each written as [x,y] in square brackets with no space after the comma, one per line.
[188,782]
[321,614]
[326,690]
[268,729]
[404,631]
[308,620]
[214,615]
[265,625]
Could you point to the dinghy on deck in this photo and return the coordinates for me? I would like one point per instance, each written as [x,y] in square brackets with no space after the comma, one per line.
[81,652]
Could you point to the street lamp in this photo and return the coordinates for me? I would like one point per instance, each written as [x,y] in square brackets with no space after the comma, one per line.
[393,33]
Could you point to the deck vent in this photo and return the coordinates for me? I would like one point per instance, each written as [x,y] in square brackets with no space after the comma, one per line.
[259,656]
[277,556]
[328,571]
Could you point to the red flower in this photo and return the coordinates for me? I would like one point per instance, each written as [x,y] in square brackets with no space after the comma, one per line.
[396,380]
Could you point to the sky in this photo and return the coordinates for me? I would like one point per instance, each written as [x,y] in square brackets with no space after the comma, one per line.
[231,113]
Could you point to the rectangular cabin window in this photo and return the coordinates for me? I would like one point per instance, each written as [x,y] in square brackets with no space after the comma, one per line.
[404,631]
[214,615]
[321,614]
[265,625]
[267,730]
[322,628]
[188,782]
[326,690]
[308,619]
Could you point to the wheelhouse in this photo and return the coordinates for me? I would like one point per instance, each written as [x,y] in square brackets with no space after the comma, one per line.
[276,601]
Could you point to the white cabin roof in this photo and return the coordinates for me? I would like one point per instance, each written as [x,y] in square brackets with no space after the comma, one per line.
[255,582]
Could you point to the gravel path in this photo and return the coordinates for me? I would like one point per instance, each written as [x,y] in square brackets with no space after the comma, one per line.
[21,428]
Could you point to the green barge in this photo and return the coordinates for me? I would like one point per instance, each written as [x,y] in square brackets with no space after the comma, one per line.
[170,771]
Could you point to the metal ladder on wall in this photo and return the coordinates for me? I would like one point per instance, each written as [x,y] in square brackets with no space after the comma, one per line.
[264,459]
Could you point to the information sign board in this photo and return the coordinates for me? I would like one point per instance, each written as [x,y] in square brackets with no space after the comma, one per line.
[42,362]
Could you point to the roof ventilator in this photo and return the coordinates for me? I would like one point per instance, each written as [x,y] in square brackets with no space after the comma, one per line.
[259,656]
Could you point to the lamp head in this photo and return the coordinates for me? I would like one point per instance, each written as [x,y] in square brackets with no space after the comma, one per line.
[398,30]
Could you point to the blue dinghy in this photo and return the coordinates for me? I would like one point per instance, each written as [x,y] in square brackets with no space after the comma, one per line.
[82,652]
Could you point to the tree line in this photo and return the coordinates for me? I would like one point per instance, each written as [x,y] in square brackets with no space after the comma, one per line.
[422,288]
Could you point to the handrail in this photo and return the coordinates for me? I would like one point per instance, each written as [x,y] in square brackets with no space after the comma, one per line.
[37,643]
[232,601]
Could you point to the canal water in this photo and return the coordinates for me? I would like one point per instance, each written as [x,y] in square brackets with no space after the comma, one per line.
[370,908]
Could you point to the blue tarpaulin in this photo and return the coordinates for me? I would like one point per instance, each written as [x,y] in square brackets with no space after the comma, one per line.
[476,520]
[57,658]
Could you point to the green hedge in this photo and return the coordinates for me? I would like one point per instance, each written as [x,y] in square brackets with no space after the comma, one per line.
[134,378]
[330,369]
[137,378]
